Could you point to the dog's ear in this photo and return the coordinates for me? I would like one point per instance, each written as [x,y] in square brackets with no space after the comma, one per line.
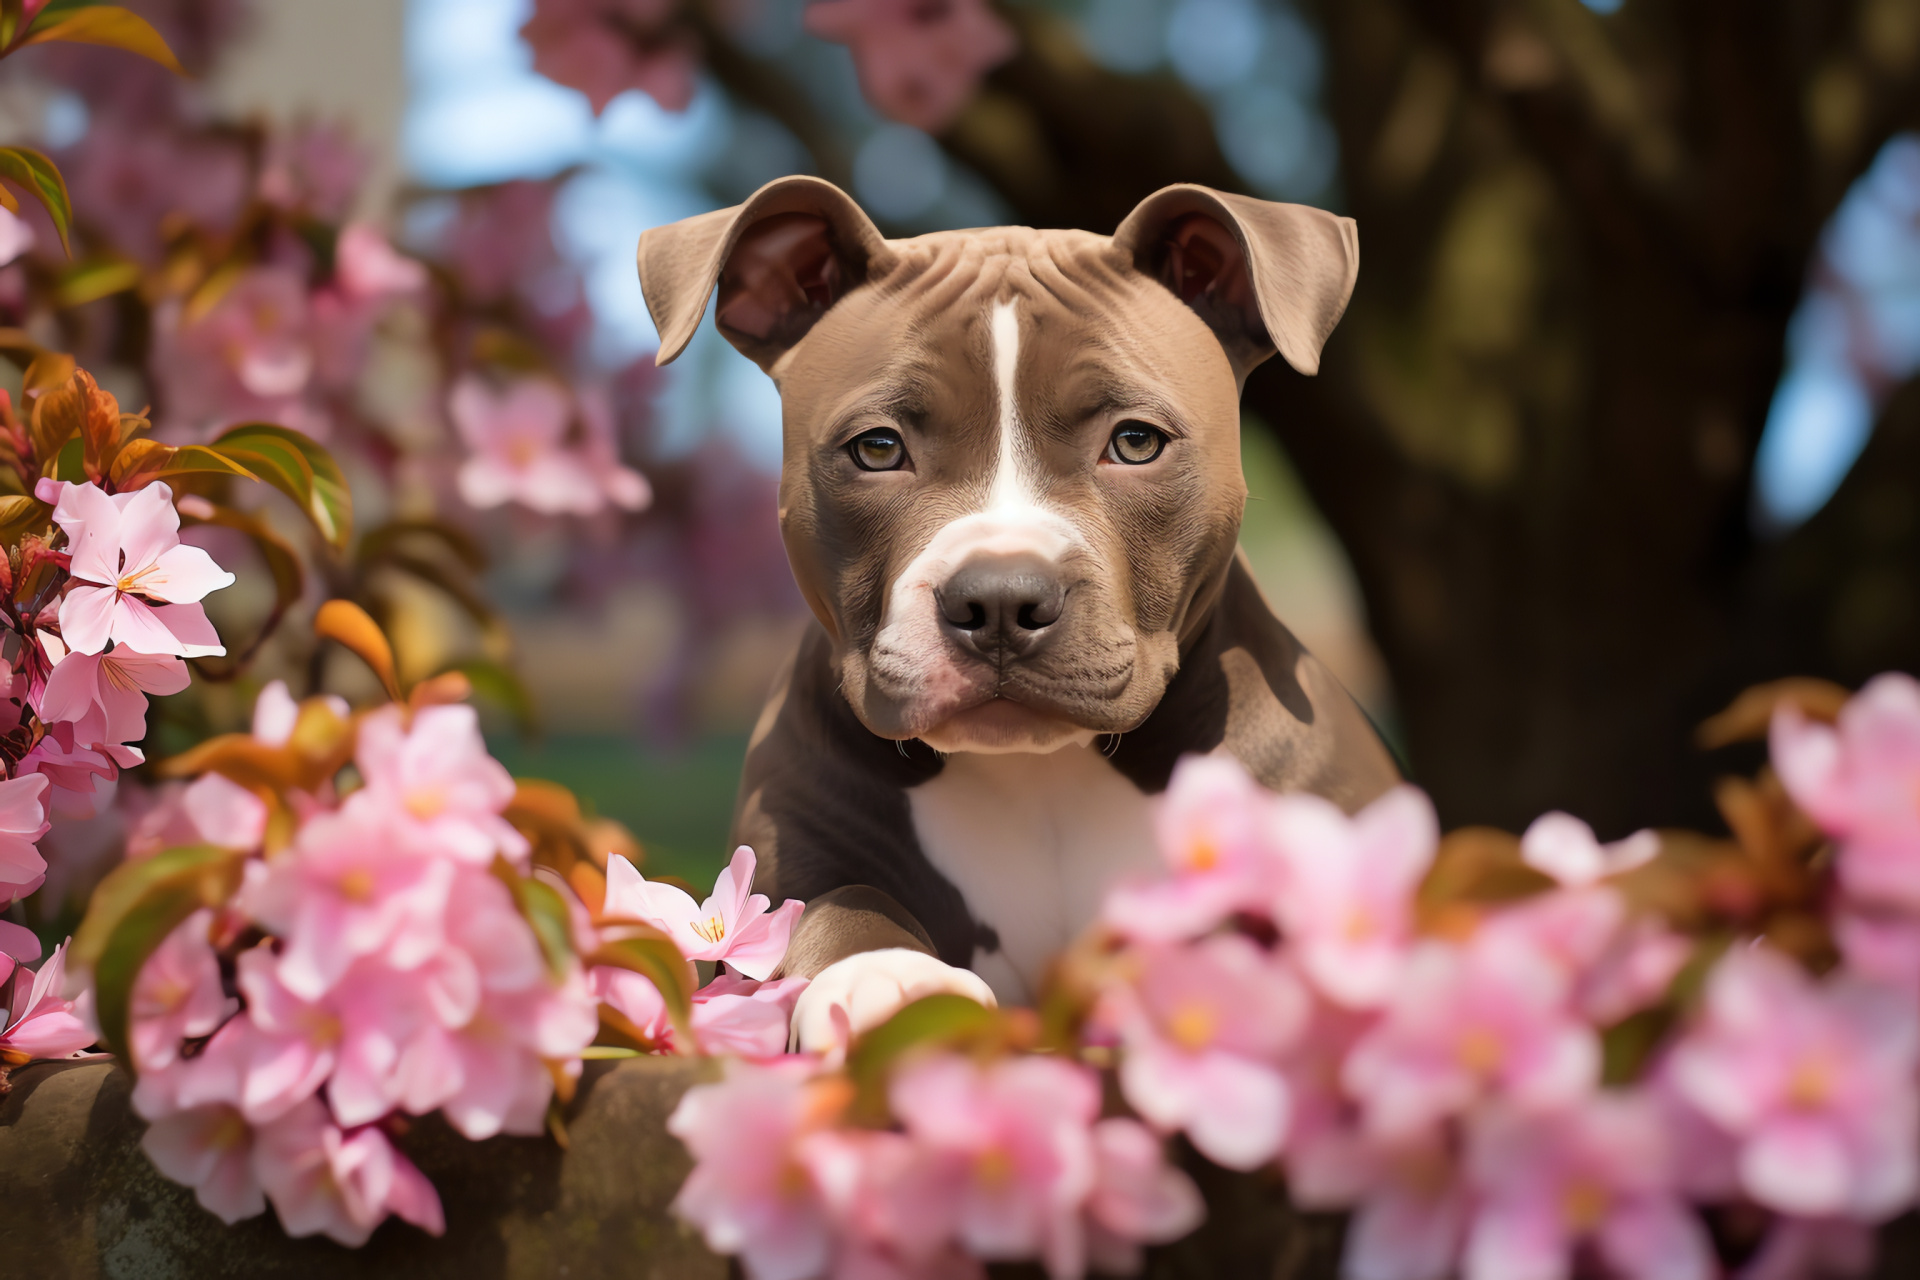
[1263,275]
[781,259]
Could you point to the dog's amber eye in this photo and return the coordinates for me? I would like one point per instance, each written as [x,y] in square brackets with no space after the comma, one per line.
[878,450]
[1136,443]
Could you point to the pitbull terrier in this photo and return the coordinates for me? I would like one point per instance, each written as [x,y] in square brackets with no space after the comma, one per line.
[1012,497]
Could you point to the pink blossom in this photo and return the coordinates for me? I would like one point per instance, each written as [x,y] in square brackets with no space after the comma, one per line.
[1412,1207]
[23,821]
[16,236]
[1858,779]
[1138,1198]
[1815,1080]
[82,778]
[733,925]
[1615,965]
[1204,1030]
[435,779]
[918,63]
[519,452]
[340,1183]
[252,355]
[352,884]
[1466,1022]
[104,695]
[1347,901]
[1595,1171]
[1212,830]
[1879,944]
[177,996]
[210,1149]
[211,809]
[130,175]
[731,1014]
[1010,1160]
[17,942]
[366,266]
[751,1192]
[38,1022]
[313,168]
[1801,1248]
[605,47]
[127,555]
[1562,846]
[625,488]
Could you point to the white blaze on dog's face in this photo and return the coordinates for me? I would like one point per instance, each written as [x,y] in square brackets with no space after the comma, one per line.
[1012,479]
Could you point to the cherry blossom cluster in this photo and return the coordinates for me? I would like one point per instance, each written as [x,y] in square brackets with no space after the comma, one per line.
[1006,1158]
[374,962]
[1307,991]
[100,616]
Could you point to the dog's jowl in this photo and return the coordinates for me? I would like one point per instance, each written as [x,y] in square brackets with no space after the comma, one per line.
[1012,498]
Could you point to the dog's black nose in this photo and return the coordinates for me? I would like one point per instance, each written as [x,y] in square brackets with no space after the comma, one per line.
[1003,602]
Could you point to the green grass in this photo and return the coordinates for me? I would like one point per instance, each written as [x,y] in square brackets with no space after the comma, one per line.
[678,803]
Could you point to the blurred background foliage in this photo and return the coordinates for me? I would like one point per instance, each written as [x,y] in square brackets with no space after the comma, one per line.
[1617,423]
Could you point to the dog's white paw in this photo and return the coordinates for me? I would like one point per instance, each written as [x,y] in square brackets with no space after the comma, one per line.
[852,995]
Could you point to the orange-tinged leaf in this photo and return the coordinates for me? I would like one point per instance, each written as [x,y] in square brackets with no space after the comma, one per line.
[646,951]
[348,623]
[40,178]
[442,690]
[936,1021]
[299,468]
[110,26]
[1750,715]
[48,369]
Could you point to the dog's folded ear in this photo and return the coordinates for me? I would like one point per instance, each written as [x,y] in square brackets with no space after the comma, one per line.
[1264,276]
[781,259]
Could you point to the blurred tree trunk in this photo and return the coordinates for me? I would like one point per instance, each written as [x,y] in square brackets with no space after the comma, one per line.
[1582,239]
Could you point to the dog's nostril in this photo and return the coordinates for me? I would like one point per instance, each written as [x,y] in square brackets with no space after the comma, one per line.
[1037,614]
[976,616]
[1003,601]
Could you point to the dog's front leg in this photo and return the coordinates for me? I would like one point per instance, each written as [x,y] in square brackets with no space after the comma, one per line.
[867,958]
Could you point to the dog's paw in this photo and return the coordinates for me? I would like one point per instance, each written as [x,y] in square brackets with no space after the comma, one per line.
[852,995]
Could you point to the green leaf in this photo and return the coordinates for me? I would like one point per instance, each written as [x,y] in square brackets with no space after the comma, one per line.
[943,1020]
[107,25]
[131,913]
[70,464]
[192,459]
[41,179]
[652,955]
[11,11]
[90,281]
[605,1052]
[299,468]
[20,514]
[546,913]
[501,685]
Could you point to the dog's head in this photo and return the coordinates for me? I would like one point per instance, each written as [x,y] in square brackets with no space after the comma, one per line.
[1012,483]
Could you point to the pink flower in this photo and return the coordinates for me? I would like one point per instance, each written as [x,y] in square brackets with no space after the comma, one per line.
[1212,830]
[340,1183]
[104,695]
[127,555]
[731,1014]
[1815,1080]
[605,47]
[313,168]
[16,236]
[1011,1159]
[211,809]
[17,942]
[1858,779]
[38,1023]
[1412,1207]
[751,1192]
[733,925]
[1346,904]
[23,821]
[211,1150]
[1615,965]
[1798,1248]
[82,778]
[918,63]
[519,455]
[351,885]
[1203,1033]
[177,996]
[367,268]
[437,782]
[1138,1198]
[252,355]
[1562,846]
[1596,1171]
[1464,1023]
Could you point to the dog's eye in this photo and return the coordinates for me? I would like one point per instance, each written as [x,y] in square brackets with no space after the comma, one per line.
[878,450]
[1136,443]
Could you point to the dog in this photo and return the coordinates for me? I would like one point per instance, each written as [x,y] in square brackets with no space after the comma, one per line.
[1011,497]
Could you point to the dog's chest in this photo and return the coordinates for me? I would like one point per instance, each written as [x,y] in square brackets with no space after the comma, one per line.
[1032,842]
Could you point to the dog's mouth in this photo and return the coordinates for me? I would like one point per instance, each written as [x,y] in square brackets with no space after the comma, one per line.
[1002,724]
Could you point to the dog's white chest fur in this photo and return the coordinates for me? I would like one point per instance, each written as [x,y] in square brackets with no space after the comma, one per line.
[1032,842]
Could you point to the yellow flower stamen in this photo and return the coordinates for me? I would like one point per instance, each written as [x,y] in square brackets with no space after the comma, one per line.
[1480,1050]
[1193,1027]
[713,928]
